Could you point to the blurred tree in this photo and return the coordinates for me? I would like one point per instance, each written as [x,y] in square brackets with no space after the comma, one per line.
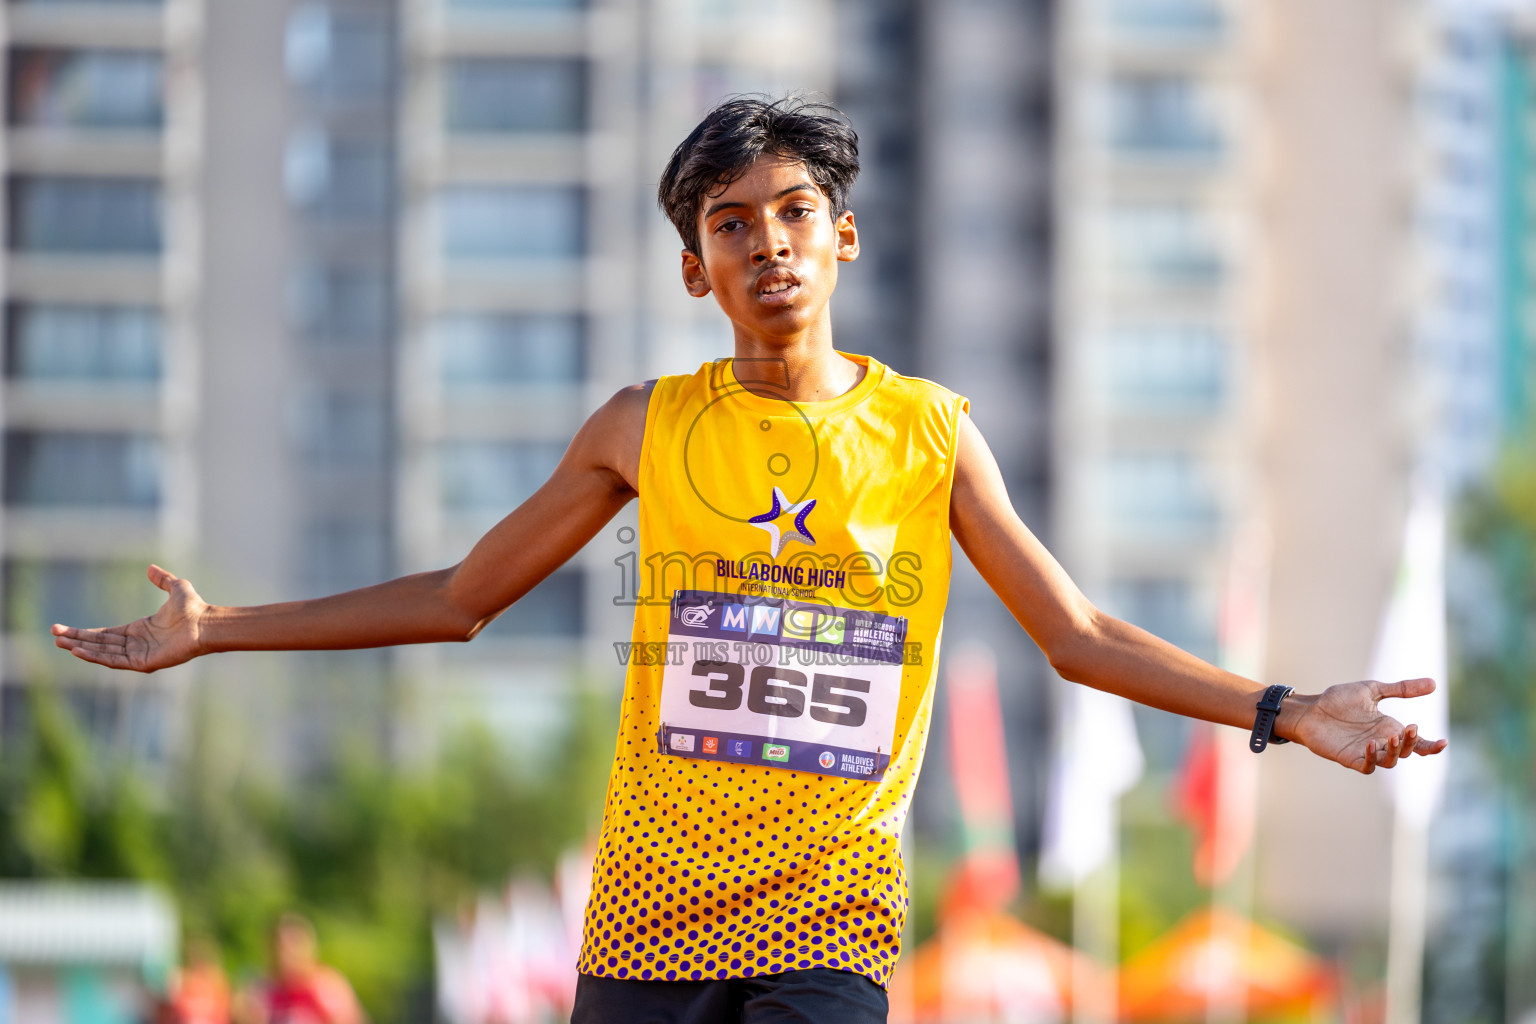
[1495,694]
[372,851]
[1494,700]
[64,815]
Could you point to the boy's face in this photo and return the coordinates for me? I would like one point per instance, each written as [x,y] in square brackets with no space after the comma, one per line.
[769,249]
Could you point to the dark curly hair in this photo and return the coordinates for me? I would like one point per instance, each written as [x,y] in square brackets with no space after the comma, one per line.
[743,128]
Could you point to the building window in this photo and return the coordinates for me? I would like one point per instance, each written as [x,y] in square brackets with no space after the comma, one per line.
[517,5]
[125,720]
[86,88]
[1168,20]
[344,554]
[1181,367]
[46,468]
[482,222]
[507,94]
[46,342]
[42,591]
[1163,114]
[477,350]
[554,608]
[103,216]
[1168,607]
[342,304]
[1159,492]
[481,478]
[1162,244]
[340,54]
[339,180]
[340,428]
[70,3]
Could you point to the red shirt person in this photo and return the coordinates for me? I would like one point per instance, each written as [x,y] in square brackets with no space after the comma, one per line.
[303,990]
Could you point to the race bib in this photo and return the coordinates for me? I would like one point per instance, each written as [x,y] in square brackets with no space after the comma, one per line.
[780,683]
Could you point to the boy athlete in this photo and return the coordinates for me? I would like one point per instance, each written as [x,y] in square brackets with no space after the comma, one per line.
[799,503]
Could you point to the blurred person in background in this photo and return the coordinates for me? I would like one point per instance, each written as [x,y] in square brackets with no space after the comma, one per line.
[200,991]
[681,926]
[302,989]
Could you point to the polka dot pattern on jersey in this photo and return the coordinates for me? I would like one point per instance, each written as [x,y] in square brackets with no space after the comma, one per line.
[709,869]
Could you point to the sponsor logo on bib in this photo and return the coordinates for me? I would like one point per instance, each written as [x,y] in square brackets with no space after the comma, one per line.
[695,616]
[771,751]
[711,745]
[682,741]
[827,759]
[765,619]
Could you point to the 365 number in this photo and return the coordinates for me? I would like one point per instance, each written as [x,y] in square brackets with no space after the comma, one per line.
[781,692]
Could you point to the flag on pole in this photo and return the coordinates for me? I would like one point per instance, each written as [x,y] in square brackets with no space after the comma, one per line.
[1217,786]
[1096,759]
[988,875]
[1412,643]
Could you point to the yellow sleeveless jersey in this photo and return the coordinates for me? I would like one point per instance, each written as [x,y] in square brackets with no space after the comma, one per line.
[794,567]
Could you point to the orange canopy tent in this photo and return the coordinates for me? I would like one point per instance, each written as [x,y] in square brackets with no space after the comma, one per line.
[1214,955]
[985,965]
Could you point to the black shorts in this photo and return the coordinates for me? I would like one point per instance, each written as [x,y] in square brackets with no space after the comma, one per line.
[818,995]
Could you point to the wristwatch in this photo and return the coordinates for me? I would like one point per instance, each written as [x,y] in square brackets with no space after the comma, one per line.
[1264,722]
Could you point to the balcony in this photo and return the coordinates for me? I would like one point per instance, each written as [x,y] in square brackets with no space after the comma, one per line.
[1164,25]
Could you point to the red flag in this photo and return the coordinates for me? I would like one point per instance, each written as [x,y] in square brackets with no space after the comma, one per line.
[1223,826]
[988,876]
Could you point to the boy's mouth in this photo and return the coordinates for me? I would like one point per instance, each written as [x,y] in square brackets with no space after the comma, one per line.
[777,287]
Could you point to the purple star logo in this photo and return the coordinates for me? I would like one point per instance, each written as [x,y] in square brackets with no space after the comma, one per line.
[768,522]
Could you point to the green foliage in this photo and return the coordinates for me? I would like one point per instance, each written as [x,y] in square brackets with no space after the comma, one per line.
[1157,880]
[1496,691]
[61,816]
[371,852]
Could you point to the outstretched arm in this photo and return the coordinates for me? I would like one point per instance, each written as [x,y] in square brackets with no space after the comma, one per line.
[597,477]
[1086,646]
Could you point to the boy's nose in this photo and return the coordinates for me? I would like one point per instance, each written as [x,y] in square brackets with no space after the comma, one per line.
[771,245]
[765,253]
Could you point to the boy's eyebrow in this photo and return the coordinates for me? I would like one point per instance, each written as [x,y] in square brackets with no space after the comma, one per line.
[802,187]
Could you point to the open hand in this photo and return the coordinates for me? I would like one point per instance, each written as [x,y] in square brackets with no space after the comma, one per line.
[168,637]
[1343,724]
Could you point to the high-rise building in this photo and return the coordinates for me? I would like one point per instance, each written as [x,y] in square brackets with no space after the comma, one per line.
[537,278]
[301,295]
[1160,285]
[952,101]
[297,327]
[102,153]
[1209,317]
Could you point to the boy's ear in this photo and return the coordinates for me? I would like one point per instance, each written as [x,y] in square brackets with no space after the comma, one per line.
[847,237]
[694,278]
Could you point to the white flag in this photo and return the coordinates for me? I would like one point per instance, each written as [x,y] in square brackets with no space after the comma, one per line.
[1097,758]
[1412,644]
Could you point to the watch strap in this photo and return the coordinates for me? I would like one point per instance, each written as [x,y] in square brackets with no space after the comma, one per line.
[1264,721]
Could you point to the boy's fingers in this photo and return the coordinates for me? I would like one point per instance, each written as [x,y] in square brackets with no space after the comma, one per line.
[96,648]
[109,660]
[1406,688]
[160,578]
[98,636]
